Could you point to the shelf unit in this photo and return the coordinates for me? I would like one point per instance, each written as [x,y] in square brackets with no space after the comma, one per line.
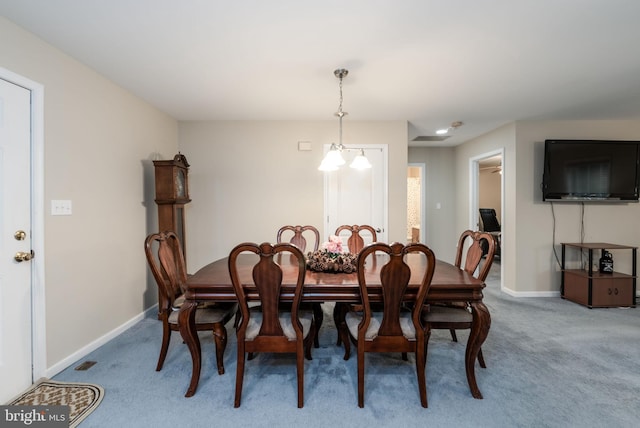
[594,289]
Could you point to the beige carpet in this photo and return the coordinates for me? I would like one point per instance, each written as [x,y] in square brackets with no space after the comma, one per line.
[82,398]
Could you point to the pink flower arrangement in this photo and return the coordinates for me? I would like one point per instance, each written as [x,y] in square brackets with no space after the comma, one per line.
[332,258]
[333,245]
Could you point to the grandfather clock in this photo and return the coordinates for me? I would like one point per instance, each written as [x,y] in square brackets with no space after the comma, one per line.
[172,193]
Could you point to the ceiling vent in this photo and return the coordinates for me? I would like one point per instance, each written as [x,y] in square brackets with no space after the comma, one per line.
[431,138]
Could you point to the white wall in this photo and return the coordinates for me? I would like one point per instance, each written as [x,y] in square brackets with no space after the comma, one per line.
[99,141]
[247,179]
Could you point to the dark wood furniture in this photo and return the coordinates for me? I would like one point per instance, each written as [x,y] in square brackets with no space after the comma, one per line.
[299,239]
[593,289]
[267,328]
[164,255]
[355,242]
[450,284]
[172,193]
[456,316]
[388,326]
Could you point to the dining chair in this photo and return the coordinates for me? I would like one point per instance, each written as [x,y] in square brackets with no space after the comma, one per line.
[267,327]
[299,235]
[355,243]
[454,317]
[166,261]
[389,326]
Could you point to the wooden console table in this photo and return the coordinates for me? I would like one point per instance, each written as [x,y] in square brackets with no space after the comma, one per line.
[594,289]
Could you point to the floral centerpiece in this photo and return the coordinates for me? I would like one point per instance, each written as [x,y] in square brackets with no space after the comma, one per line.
[332,258]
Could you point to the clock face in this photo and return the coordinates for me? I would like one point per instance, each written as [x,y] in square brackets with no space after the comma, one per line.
[180,184]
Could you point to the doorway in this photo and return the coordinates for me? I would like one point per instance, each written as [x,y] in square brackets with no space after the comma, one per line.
[416,218]
[487,176]
[490,185]
[21,113]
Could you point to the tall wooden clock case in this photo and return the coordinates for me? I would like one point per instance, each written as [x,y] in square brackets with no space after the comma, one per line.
[172,193]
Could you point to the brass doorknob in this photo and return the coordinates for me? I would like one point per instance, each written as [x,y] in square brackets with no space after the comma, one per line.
[21,256]
[20,235]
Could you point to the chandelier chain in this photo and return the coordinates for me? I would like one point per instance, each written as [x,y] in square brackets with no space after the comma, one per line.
[340,113]
[333,159]
[340,106]
[340,74]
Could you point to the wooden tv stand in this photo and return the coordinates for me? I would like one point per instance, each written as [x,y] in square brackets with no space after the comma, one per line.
[594,289]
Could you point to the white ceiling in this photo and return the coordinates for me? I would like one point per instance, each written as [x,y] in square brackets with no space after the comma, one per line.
[430,62]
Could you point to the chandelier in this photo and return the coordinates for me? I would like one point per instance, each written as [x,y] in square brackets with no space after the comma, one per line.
[333,159]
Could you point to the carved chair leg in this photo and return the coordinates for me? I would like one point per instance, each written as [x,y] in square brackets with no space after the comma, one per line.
[166,339]
[422,381]
[339,311]
[239,375]
[427,336]
[481,359]
[309,341]
[300,375]
[360,379]
[220,338]
[343,333]
[318,316]
[453,335]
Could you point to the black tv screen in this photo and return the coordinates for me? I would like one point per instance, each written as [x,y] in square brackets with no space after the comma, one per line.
[591,170]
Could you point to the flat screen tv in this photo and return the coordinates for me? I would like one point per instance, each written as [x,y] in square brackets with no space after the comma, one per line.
[591,170]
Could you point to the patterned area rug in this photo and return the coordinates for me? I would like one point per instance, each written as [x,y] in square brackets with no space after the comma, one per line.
[82,398]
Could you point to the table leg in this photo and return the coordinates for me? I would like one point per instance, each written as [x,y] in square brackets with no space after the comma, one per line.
[479,331]
[187,323]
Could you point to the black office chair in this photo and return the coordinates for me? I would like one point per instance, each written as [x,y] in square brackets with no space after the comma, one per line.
[491,225]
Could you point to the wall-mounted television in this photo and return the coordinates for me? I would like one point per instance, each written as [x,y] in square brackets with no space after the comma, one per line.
[591,170]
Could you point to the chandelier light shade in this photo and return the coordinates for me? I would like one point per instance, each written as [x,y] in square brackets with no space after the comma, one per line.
[360,161]
[333,159]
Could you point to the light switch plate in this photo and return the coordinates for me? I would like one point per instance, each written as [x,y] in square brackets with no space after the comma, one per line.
[304,146]
[60,207]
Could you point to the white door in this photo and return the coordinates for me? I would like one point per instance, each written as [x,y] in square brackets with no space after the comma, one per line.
[15,210]
[358,196]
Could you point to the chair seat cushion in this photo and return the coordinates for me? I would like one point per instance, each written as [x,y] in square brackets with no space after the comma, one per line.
[447,314]
[208,314]
[255,322]
[177,303]
[353,319]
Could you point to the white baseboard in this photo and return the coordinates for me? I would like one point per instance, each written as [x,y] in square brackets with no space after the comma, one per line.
[512,293]
[63,364]
[530,293]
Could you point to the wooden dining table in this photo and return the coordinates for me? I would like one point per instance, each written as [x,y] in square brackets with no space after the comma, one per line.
[449,284]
